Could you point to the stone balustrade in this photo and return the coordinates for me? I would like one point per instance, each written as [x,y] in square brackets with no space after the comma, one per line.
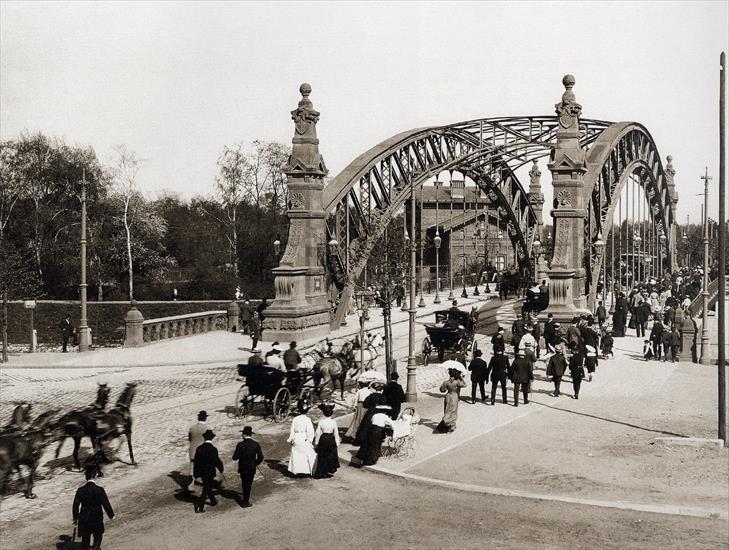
[176,326]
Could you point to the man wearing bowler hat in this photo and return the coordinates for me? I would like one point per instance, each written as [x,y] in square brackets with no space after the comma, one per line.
[89,506]
[207,461]
[249,456]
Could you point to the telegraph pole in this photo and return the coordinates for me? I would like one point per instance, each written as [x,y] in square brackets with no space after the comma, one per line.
[722,250]
[83,329]
[705,359]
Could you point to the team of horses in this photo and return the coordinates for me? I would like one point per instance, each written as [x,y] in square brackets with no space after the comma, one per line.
[24,439]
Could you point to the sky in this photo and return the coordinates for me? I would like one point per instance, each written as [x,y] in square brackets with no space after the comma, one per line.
[176,81]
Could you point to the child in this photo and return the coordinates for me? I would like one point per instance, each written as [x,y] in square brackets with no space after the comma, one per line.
[675,343]
[607,344]
[647,350]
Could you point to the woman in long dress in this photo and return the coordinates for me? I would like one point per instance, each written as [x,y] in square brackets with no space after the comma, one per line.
[301,438]
[362,393]
[369,404]
[371,449]
[326,441]
[451,388]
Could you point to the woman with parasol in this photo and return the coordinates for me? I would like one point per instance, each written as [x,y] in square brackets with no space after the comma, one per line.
[451,388]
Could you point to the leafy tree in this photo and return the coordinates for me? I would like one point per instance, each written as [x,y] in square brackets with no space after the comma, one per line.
[18,280]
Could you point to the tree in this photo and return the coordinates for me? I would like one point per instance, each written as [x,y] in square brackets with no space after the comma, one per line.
[125,169]
[18,280]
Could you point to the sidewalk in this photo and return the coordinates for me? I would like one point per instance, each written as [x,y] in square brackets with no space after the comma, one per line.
[598,450]
[217,347]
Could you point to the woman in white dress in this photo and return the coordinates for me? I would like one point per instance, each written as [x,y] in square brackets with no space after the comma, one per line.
[301,438]
[362,393]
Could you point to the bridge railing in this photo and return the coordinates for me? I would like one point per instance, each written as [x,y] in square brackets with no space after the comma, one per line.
[177,326]
[697,306]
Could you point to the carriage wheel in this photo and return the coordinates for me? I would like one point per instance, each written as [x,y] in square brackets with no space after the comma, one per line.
[281,405]
[425,350]
[441,354]
[243,402]
[305,399]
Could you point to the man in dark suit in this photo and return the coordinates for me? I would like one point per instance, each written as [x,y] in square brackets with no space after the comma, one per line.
[479,374]
[522,373]
[87,510]
[206,462]
[499,367]
[66,331]
[249,456]
[497,341]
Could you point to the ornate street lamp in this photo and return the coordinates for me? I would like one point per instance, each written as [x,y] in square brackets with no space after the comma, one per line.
[464,293]
[277,246]
[474,240]
[536,251]
[662,238]
[599,245]
[405,306]
[437,241]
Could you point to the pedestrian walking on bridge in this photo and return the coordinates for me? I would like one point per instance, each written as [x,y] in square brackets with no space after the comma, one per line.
[479,374]
[195,438]
[499,367]
[249,455]
[207,460]
[89,506]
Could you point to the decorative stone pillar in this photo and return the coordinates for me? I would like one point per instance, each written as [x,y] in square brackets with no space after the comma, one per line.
[133,323]
[300,309]
[232,312]
[688,339]
[673,197]
[536,199]
[567,164]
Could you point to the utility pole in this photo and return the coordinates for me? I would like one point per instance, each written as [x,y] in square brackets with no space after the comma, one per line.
[704,359]
[722,250]
[411,392]
[83,337]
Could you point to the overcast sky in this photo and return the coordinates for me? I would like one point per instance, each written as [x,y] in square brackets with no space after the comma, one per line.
[178,81]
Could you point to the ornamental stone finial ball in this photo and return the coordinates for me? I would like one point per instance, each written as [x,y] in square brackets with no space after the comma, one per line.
[305,89]
[669,158]
[568,81]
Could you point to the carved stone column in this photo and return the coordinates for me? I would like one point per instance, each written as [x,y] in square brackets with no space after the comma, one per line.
[536,199]
[673,197]
[567,164]
[300,309]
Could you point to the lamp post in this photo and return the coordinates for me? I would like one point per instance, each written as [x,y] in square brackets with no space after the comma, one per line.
[464,292]
[83,337]
[474,240]
[662,240]
[486,258]
[536,251]
[704,359]
[277,247]
[405,306]
[636,244]
[450,248]
[599,245]
[361,313]
[421,303]
[411,394]
[437,242]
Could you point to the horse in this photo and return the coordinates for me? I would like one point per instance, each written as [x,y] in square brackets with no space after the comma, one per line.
[25,448]
[20,417]
[114,424]
[82,423]
[334,368]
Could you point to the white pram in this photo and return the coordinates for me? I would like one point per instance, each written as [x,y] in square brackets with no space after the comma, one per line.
[401,443]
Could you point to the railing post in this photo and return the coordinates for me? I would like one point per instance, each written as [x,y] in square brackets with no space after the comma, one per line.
[134,328]
[232,311]
[688,336]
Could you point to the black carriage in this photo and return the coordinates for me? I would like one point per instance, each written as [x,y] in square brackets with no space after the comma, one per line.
[453,331]
[534,302]
[279,392]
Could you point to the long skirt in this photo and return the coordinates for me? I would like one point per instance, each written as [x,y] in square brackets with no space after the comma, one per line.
[302,456]
[364,427]
[327,460]
[450,410]
[590,364]
[619,324]
[359,414]
[371,449]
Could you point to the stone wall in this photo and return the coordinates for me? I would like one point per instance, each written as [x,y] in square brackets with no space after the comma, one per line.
[106,319]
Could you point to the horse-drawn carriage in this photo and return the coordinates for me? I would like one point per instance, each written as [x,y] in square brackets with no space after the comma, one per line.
[279,392]
[534,302]
[453,331]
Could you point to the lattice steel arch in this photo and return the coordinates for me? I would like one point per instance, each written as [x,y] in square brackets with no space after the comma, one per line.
[366,195]
[624,149]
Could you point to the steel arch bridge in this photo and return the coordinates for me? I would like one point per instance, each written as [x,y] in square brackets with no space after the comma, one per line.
[362,199]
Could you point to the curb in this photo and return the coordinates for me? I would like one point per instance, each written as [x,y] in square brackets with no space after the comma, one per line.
[667,509]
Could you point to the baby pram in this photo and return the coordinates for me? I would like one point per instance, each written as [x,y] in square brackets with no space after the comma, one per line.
[401,443]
